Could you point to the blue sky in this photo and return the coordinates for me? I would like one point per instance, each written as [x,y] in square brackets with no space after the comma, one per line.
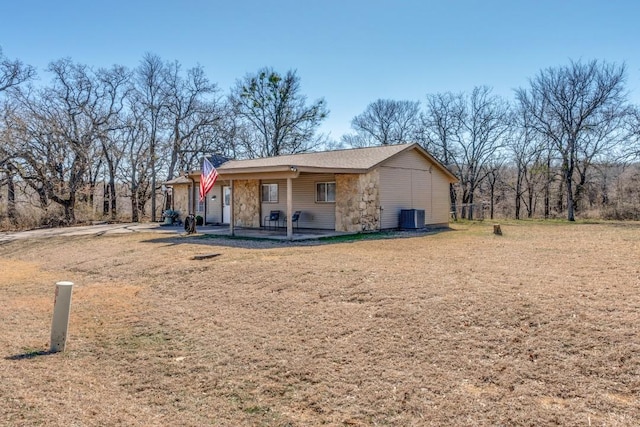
[348,52]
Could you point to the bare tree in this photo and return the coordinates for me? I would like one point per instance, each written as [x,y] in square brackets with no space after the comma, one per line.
[633,127]
[7,167]
[527,151]
[227,137]
[115,85]
[150,90]
[495,171]
[189,112]
[465,132]
[135,170]
[385,122]
[57,132]
[13,72]
[576,107]
[441,124]
[275,114]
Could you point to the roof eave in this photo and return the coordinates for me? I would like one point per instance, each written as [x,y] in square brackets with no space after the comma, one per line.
[256,169]
[286,169]
[317,169]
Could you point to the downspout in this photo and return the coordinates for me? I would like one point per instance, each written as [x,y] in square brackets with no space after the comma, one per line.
[232,230]
[289,208]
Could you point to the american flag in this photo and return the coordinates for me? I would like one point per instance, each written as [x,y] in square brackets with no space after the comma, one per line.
[207,178]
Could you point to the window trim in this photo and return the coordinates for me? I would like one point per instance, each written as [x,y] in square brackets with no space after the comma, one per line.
[326,192]
[270,185]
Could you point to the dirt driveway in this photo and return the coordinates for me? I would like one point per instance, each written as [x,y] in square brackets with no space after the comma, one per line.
[87,230]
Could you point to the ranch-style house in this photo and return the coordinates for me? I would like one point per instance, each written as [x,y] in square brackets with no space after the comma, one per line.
[351,190]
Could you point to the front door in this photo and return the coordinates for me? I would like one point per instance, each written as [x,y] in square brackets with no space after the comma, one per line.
[226,204]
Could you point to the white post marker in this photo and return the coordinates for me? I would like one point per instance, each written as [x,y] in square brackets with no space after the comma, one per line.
[61,311]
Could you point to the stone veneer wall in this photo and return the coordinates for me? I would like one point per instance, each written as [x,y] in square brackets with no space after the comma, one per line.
[357,202]
[246,202]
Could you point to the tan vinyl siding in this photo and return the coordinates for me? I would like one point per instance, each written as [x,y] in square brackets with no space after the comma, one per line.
[421,192]
[441,203]
[409,181]
[280,205]
[395,195]
[314,215]
[410,159]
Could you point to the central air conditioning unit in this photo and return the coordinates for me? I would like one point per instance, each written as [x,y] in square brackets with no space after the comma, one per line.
[411,219]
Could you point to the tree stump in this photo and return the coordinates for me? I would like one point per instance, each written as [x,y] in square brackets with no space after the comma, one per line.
[497,230]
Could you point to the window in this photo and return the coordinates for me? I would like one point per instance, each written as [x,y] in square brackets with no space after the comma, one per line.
[270,193]
[325,192]
[227,196]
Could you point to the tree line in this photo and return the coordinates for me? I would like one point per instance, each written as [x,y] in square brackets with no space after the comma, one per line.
[132,129]
[550,150]
[137,128]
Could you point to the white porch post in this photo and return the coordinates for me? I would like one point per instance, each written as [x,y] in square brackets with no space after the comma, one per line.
[289,208]
[232,218]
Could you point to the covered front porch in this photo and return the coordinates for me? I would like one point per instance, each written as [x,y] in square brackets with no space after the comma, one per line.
[252,202]
[264,233]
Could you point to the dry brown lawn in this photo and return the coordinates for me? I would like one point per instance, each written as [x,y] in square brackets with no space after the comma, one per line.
[537,327]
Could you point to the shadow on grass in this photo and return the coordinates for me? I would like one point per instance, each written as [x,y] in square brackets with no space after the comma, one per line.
[30,354]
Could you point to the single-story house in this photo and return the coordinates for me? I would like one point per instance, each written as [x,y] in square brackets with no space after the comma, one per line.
[351,190]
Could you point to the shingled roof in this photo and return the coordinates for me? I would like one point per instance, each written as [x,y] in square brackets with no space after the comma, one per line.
[355,160]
